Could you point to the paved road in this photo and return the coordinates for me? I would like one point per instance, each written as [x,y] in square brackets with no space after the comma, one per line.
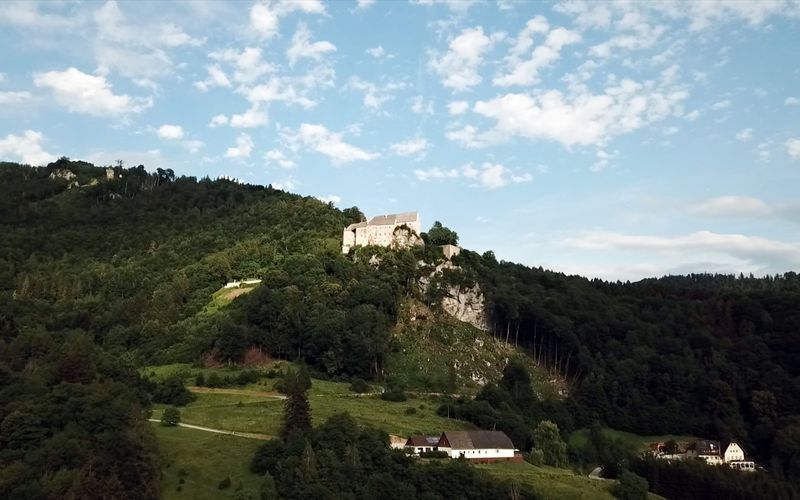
[250,435]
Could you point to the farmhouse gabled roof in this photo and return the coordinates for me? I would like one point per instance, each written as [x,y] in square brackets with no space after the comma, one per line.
[474,440]
[421,440]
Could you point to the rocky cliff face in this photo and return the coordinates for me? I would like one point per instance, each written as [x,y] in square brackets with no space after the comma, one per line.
[465,304]
[404,237]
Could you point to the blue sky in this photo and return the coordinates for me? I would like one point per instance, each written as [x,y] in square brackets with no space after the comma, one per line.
[619,140]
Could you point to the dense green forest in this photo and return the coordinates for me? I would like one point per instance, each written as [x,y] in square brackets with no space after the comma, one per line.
[102,274]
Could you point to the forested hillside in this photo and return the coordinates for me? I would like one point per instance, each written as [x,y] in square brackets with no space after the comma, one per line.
[103,273]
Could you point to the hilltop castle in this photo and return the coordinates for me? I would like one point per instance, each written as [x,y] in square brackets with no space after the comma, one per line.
[380,230]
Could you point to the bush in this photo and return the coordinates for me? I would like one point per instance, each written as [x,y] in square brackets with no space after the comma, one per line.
[200,380]
[630,487]
[535,457]
[433,454]
[172,391]
[411,411]
[171,417]
[360,386]
[224,484]
[394,395]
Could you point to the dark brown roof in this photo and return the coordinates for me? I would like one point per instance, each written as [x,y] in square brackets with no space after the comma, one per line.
[421,440]
[474,440]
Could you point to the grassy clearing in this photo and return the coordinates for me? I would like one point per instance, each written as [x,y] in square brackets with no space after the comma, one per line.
[202,460]
[550,482]
[224,296]
[633,441]
[247,410]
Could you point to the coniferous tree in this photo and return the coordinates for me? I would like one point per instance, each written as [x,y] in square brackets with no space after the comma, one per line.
[296,410]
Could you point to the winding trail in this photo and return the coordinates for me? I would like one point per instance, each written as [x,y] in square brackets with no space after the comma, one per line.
[249,435]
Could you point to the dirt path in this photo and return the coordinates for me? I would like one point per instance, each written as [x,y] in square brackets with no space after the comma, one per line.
[236,392]
[249,435]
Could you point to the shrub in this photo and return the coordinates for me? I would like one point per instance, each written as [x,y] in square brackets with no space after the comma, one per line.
[360,386]
[200,380]
[535,457]
[172,391]
[433,454]
[171,417]
[224,484]
[630,487]
[394,395]
[411,411]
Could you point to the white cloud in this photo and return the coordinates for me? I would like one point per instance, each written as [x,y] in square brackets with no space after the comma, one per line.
[8,98]
[792,101]
[744,134]
[634,33]
[459,66]
[721,104]
[603,160]
[216,78]
[414,146]
[3,77]
[276,157]
[287,184]
[671,130]
[522,65]
[29,15]
[244,146]
[193,146]
[303,47]
[379,52]
[708,242]
[27,148]
[731,206]
[136,51]
[375,96]
[692,115]
[248,66]
[489,176]
[419,106]
[575,119]
[793,148]
[457,107]
[363,4]
[253,117]
[83,93]
[331,198]
[265,16]
[172,132]
[113,27]
[457,6]
[318,138]
[700,15]
[218,120]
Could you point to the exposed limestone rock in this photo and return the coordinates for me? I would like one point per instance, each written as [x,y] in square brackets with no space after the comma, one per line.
[62,173]
[467,305]
[462,303]
[404,237]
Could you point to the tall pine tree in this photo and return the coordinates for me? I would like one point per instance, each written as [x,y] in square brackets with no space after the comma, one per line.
[296,410]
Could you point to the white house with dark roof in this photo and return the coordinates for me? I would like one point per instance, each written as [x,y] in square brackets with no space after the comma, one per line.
[479,446]
[379,230]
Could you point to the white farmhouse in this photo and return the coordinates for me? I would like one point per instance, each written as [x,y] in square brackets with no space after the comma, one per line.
[379,230]
[733,452]
[478,446]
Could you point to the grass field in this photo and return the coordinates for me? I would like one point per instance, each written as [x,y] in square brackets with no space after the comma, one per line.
[633,441]
[550,482]
[253,409]
[202,460]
